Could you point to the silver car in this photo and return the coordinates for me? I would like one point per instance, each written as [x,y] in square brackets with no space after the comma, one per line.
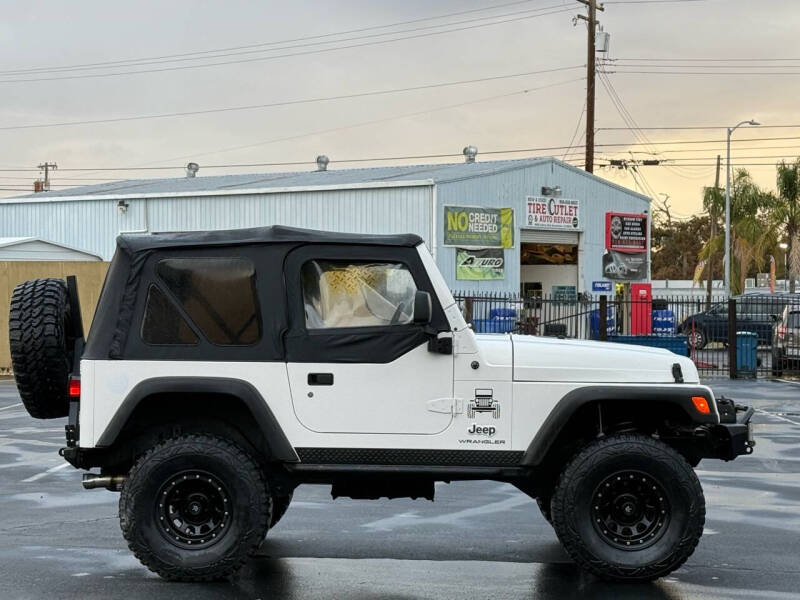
[786,340]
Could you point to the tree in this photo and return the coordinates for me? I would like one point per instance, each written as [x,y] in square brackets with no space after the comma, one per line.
[785,214]
[676,245]
[751,233]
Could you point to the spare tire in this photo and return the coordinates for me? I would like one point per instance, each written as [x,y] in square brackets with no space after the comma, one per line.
[41,348]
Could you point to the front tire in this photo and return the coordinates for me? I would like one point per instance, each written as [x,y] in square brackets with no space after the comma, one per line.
[193,508]
[629,508]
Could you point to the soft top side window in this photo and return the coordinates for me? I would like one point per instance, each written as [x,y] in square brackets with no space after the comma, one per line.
[218,295]
[163,323]
[339,293]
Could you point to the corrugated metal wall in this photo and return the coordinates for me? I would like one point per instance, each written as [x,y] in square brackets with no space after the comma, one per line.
[511,189]
[93,225]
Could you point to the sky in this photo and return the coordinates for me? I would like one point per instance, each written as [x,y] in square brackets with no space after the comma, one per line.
[743,56]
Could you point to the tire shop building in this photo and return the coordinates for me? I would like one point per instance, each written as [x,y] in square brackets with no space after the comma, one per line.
[531,226]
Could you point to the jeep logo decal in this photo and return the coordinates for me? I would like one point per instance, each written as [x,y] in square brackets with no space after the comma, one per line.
[477,430]
[484,402]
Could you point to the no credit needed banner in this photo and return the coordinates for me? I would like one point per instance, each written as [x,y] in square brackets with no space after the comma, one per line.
[475,226]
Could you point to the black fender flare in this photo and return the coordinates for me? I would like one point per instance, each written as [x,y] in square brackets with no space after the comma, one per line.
[558,418]
[279,445]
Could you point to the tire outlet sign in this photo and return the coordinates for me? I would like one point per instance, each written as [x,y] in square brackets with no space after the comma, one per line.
[562,214]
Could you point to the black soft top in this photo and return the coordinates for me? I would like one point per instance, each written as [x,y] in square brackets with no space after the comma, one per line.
[277,234]
[132,274]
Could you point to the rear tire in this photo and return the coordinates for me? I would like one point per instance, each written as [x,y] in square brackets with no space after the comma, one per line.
[650,519]
[41,350]
[193,508]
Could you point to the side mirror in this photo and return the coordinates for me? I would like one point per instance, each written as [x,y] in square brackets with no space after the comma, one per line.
[423,308]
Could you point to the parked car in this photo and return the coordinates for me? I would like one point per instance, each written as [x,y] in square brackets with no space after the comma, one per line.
[786,340]
[755,312]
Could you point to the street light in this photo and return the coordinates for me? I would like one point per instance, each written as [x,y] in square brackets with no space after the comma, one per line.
[784,246]
[728,207]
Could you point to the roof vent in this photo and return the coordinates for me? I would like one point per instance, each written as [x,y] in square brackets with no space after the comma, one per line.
[322,162]
[470,152]
[192,169]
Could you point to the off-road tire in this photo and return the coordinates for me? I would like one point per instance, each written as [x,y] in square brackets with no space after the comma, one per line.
[244,484]
[280,504]
[579,483]
[41,350]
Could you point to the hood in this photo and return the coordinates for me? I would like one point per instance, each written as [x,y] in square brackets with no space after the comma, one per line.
[557,360]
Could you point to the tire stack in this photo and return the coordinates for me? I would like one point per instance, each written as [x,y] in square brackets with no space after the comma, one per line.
[42,346]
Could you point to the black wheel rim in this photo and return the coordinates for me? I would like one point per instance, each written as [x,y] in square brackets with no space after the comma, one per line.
[630,510]
[194,509]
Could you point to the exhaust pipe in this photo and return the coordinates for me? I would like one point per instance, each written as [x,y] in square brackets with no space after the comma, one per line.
[93,481]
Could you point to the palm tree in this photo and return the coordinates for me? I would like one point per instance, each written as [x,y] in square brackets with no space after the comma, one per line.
[751,235]
[785,214]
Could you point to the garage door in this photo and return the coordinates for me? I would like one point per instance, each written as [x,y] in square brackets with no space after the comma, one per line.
[537,236]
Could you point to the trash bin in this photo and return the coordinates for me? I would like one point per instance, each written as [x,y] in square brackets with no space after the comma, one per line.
[746,353]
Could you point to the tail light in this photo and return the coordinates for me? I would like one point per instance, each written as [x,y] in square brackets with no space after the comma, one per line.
[782,331]
[74,388]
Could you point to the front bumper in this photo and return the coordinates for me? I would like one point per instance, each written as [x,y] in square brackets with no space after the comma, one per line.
[734,435]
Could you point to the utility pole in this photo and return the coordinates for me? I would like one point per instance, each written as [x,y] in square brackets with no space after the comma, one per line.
[591,25]
[712,217]
[45,185]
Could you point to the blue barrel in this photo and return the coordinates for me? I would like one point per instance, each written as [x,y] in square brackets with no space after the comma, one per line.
[746,353]
[674,343]
[493,325]
[594,323]
[663,322]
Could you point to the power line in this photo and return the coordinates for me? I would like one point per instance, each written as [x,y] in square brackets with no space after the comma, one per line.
[693,127]
[575,154]
[264,44]
[284,103]
[303,53]
[363,123]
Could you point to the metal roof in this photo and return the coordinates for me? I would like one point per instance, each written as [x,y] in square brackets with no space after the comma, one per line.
[227,183]
[38,245]
[390,176]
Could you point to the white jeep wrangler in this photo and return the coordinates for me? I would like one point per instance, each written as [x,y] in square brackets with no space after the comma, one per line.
[226,368]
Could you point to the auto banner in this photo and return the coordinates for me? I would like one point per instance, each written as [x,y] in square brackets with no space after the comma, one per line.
[480,265]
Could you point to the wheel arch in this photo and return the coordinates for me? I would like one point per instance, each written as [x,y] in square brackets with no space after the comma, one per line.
[669,399]
[245,397]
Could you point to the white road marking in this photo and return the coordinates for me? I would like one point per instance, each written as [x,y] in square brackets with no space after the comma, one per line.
[11,406]
[765,412]
[38,476]
[788,381]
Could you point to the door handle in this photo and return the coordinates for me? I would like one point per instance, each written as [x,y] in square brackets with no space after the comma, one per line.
[320,379]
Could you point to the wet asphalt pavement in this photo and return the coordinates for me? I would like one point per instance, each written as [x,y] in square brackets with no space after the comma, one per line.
[478,540]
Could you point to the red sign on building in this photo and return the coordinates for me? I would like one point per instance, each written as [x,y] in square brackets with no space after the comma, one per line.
[626,232]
